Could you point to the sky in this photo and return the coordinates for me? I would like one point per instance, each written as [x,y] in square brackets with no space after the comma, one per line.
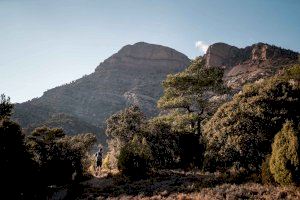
[44,44]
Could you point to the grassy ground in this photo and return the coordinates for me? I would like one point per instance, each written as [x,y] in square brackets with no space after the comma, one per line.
[181,185]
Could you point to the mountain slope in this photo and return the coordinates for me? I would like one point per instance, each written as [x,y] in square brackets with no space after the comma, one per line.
[131,76]
[248,64]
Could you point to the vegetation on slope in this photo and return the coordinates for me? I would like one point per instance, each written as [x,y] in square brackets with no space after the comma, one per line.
[241,132]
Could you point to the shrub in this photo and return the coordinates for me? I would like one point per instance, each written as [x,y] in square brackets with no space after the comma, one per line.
[59,156]
[241,130]
[135,158]
[266,175]
[106,163]
[121,127]
[163,144]
[284,162]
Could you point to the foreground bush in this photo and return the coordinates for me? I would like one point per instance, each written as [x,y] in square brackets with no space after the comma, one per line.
[285,157]
[135,158]
[59,157]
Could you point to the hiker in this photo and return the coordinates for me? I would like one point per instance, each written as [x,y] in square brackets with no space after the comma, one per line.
[98,156]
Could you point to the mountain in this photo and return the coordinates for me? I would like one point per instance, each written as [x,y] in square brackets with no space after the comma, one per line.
[248,64]
[131,76]
[134,75]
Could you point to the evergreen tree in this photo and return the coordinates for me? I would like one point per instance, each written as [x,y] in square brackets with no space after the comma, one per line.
[285,157]
[186,95]
[5,106]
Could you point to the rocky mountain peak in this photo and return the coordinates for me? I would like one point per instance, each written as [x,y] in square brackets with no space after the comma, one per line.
[227,56]
[133,75]
[221,55]
[250,63]
[144,55]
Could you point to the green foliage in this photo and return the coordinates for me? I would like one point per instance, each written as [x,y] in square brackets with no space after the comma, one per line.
[5,107]
[57,155]
[163,144]
[285,157]
[124,124]
[186,95]
[168,148]
[121,127]
[241,131]
[135,157]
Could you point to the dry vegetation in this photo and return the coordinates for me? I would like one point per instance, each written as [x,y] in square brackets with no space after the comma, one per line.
[176,184]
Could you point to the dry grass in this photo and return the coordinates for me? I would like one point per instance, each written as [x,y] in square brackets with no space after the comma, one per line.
[181,185]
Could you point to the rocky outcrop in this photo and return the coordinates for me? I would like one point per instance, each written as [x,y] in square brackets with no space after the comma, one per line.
[248,64]
[221,55]
[131,76]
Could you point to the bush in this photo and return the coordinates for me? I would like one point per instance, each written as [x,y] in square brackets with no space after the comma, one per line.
[241,131]
[135,158]
[163,144]
[284,162]
[59,156]
[120,128]
[266,175]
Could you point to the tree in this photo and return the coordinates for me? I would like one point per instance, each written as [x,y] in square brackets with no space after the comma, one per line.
[241,131]
[187,101]
[121,127]
[59,156]
[163,143]
[16,165]
[124,124]
[186,95]
[5,106]
[285,157]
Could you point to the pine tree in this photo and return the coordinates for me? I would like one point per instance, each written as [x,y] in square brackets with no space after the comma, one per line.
[186,95]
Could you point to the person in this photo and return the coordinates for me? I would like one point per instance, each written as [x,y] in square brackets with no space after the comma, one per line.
[98,156]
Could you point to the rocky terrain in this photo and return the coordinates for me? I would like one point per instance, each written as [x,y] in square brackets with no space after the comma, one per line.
[131,76]
[248,64]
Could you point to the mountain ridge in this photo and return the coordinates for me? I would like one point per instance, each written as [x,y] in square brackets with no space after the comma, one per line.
[134,74]
[118,81]
[242,65]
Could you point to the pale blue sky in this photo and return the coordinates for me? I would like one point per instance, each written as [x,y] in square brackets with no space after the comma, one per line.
[44,44]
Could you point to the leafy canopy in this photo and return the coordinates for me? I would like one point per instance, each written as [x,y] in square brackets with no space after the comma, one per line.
[186,95]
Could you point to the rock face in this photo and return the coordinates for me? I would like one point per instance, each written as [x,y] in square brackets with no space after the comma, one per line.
[248,64]
[131,76]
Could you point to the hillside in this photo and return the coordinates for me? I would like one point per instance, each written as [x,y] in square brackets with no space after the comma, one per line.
[248,64]
[131,76]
